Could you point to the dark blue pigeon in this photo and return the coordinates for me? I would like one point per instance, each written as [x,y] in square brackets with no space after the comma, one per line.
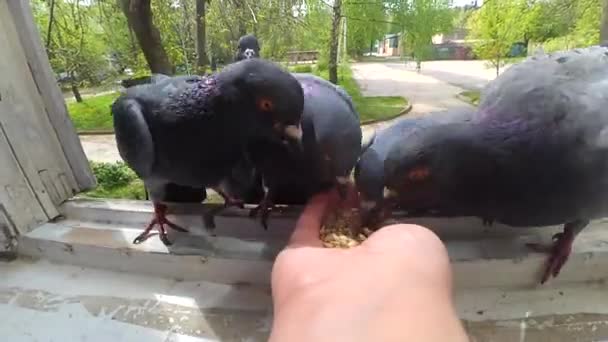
[248,47]
[535,154]
[331,145]
[192,131]
[369,172]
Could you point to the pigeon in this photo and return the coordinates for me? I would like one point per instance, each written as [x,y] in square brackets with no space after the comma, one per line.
[331,145]
[534,154]
[235,189]
[369,171]
[248,47]
[191,131]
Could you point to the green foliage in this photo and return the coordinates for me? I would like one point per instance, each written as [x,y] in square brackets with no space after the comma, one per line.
[366,23]
[370,108]
[93,113]
[280,26]
[75,46]
[471,96]
[116,180]
[301,68]
[565,24]
[420,21]
[496,26]
[112,175]
[134,191]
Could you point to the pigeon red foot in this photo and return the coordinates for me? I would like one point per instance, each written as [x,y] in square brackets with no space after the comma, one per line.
[159,221]
[229,201]
[560,250]
[265,207]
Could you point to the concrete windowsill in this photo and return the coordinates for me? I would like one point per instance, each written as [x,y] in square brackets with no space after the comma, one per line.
[203,281]
[98,233]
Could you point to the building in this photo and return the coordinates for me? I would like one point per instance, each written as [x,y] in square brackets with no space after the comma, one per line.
[445,46]
[389,45]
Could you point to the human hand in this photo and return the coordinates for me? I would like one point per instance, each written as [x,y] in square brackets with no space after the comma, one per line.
[395,286]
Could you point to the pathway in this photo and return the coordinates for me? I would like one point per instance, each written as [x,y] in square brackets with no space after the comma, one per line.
[426,91]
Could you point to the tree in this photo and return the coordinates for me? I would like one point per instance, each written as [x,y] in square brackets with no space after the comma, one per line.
[366,22]
[201,56]
[604,28]
[420,21]
[497,25]
[335,38]
[76,50]
[549,19]
[140,18]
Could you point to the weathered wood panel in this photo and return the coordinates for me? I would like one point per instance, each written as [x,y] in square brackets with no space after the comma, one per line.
[36,176]
[19,207]
[51,97]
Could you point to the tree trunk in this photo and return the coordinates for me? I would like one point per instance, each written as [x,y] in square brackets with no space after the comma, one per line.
[50,27]
[139,17]
[201,55]
[76,92]
[604,27]
[333,45]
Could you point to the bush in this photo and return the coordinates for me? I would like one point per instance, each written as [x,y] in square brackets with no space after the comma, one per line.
[112,175]
[322,65]
[306,68]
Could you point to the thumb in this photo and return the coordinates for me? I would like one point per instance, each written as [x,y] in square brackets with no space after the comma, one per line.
[308,225]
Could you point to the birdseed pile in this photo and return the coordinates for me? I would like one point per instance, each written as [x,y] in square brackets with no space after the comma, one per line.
[341,229]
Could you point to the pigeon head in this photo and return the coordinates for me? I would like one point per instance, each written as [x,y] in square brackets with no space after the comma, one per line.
[248,47]
[272,97]
[369,180]
[412,168]
[426,168]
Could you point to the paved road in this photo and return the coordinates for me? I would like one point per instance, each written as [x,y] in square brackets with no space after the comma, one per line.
[465,74]
[100,148]
[433,89]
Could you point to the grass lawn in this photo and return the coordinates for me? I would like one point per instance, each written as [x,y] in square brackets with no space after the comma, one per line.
[471,96]
[93,113]
[371,108]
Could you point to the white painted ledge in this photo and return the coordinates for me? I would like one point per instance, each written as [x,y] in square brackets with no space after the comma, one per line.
[99,234]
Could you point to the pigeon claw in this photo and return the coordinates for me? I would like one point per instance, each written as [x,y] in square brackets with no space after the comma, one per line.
[265,209]
[229,201]
[209,216]
[559,254]
[160,221]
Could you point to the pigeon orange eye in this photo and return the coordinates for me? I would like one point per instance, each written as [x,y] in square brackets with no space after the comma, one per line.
[419,174]
[265,105]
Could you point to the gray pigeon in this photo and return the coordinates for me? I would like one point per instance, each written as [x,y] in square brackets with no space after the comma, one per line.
[535,154]
[369,172]
[191,132]
[331,144]
[248,47]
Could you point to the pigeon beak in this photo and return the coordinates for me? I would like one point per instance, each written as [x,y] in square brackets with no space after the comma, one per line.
[389,194]
[294,134]
[342,180]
